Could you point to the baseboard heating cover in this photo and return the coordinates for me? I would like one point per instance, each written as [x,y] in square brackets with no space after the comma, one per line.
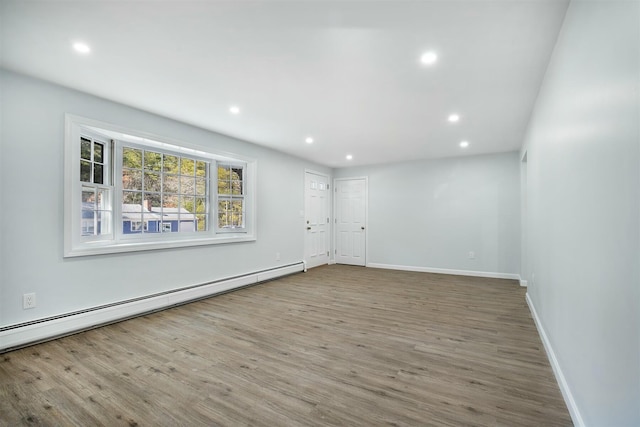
[27,333]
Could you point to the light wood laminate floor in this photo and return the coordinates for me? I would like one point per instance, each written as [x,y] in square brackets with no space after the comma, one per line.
[338,345]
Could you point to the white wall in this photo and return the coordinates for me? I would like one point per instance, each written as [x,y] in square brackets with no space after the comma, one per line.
[31,175]
[583,209]
[431,213]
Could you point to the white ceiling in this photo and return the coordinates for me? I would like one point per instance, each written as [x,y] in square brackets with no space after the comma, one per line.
[346,73]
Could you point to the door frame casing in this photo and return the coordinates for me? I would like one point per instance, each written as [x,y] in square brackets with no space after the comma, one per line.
[334,236]
[329,212]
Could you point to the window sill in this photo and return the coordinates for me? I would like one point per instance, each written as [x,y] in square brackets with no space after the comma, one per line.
[108,247]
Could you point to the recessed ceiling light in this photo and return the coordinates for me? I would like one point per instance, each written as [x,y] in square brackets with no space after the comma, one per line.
[349,157]
[454,118]
[308,140]
[464,144]
[81,48]
[429,58]
[234,110]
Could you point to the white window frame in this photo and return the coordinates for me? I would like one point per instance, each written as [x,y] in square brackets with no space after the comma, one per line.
[231,197]
[77,245]
[106,186]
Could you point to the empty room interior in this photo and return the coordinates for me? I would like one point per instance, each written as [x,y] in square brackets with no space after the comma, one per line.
[282,213]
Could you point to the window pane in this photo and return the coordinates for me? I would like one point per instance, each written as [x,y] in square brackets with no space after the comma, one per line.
[236,187]
[98,152]
[152,182]
[225,216]
[132,198]
[187,166]
[151,224]
[222,219]
[103,225]
[236,173]
[152,201]
[201,168]
[224,187]
[171,164]
[170,204]
[201,223]
[187,185]
[88,223]
[236,207]
[103,202]
[223,173]
[152,161]
[187,203]
[201,205]
[85,149]
[88,198]
[170,183]
[187,223]
[132,158]
[230,213]
[85,171]
[98,174]
[201,187]
[132,180]
[131,212]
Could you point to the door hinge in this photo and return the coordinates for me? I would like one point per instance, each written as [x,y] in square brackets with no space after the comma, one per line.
[327,220]
[327,253]
[335,251]
[327,186]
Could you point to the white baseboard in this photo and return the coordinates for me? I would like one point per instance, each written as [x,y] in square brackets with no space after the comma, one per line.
[446,271]
[44,329]
[557,370]
[523,283]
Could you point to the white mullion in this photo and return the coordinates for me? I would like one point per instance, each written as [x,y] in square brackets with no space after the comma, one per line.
[216,198]
[117,158]
[142,215]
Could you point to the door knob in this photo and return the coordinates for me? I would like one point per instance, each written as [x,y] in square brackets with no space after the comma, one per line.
[308,228]
[361,228]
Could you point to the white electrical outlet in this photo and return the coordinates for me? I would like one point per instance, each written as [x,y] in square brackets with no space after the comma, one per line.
[28,301]
[277,256]
[472,255]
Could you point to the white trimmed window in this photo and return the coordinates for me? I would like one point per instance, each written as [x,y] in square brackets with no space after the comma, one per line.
[125,191]
[231,196]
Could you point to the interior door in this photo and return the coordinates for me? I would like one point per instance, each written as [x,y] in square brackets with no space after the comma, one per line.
[316,219]
[351,197]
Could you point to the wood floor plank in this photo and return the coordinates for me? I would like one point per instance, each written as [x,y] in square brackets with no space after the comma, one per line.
[338,345]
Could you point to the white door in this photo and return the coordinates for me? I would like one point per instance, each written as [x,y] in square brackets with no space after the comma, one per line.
[351,205]
[316,211]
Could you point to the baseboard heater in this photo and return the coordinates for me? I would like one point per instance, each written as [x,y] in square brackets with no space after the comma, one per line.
[24,334]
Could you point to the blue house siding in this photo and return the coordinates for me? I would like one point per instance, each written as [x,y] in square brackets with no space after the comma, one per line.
[153,226]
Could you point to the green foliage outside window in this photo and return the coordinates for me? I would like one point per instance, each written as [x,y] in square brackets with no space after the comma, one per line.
[166,184]
[230,196]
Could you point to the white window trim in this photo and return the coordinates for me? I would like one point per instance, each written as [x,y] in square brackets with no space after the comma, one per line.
[217,197]
[75,245]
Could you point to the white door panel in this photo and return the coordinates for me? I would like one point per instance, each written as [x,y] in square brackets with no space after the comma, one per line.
[316,219]
[351,221]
